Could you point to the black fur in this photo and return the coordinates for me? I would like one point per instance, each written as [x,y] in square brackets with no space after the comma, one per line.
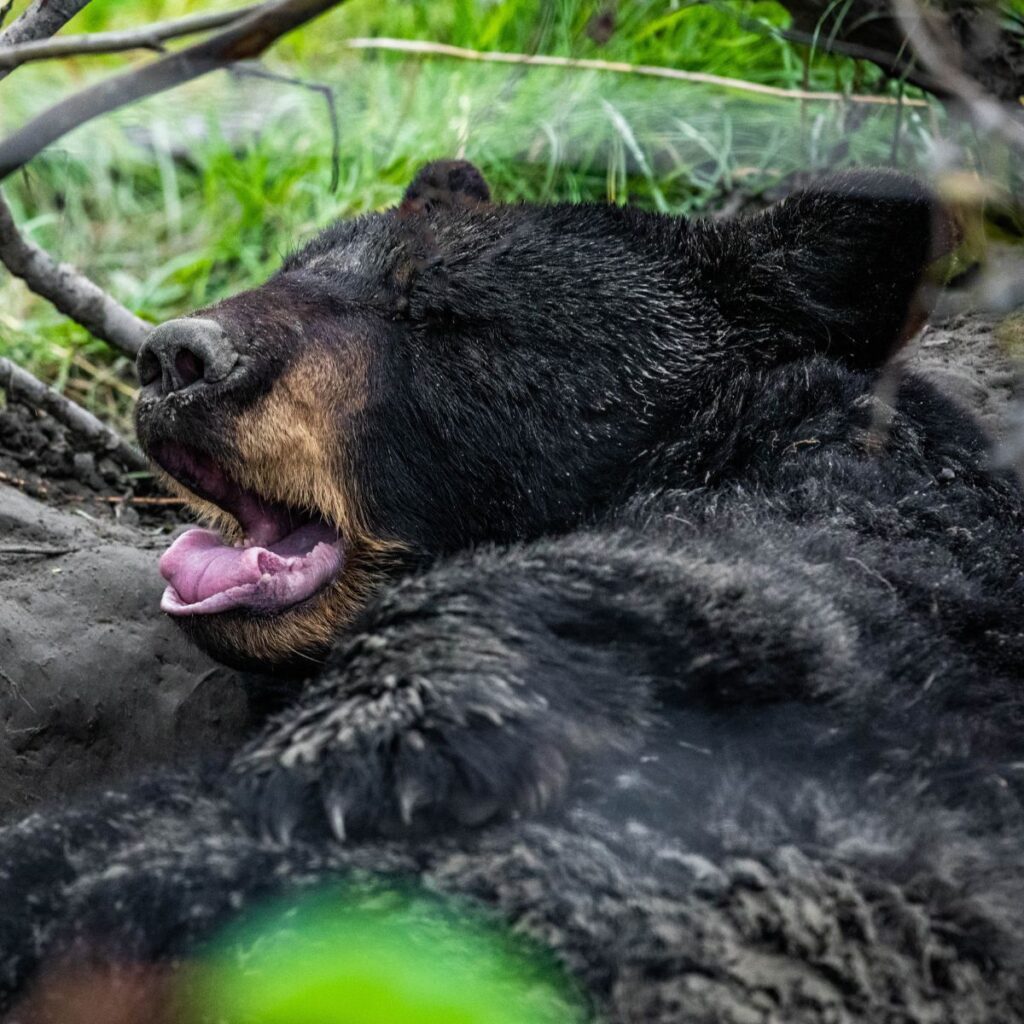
[724,652]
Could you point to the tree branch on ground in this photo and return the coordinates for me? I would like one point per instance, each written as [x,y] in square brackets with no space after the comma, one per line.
[42,19]
[68,289]
[990,47]
[21,386]
[149,37]
[942,60]
[243,40]
[998,289]
[250,31]
[893,64]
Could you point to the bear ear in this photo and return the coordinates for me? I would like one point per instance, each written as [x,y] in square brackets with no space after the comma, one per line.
[840,269]
[446,185]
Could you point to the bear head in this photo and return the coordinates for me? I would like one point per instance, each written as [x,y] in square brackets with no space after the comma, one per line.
[456,371]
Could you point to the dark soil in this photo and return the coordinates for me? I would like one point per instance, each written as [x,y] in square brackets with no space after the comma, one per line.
[963,357]
[94,680]
[40,457]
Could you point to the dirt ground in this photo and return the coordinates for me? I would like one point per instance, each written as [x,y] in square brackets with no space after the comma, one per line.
[94,679]
[95,682]
[965,359]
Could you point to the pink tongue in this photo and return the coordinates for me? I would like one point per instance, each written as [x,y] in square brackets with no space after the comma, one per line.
[205,575]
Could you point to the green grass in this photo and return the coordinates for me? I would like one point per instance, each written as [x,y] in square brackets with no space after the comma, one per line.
[175,202]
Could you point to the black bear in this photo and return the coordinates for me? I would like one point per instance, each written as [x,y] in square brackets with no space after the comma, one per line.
[631,607]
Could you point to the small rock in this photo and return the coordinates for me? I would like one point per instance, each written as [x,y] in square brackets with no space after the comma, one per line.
[84,463]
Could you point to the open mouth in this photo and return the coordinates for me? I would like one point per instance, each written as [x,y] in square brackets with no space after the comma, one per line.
[285,557]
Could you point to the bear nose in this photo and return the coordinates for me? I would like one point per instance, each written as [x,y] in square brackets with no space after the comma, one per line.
[182,353]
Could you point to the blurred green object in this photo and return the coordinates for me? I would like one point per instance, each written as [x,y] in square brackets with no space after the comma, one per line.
[356,956]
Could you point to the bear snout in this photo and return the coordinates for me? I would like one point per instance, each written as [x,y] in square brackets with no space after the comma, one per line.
[185,353]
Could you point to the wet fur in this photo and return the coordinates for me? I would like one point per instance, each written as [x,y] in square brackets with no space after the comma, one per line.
[685,669]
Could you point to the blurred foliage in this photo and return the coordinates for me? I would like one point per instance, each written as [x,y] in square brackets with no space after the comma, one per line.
[373,955]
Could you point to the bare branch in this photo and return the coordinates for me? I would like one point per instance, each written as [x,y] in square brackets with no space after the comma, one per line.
[250,31]
[990,47]
[429,49]
[899,65]
[68,289]
[242,40]
[21,386]
[254,71]
[42,19]
[896,65]
[149,37]
[64,286]
[988,114]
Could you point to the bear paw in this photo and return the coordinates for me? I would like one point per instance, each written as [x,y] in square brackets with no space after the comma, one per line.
[396,759]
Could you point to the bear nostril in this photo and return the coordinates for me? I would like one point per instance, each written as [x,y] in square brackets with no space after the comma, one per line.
[148,367]
[186,352]
[189,366]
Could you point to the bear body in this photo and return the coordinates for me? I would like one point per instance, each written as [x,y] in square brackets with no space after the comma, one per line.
[644,616]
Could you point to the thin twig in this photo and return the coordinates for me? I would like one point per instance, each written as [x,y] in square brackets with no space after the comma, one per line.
[131,499]
[103,376]
[37,552]
[42,19]
[68,289]
[895,65]
[987,113]
[36,490]
[149,37]
[243,70]
[242,40]
[5,9]
[428,49]
[21,386]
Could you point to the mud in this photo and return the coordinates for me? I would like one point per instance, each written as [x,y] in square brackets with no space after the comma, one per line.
[41,458]
[95,682]
[964,358]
